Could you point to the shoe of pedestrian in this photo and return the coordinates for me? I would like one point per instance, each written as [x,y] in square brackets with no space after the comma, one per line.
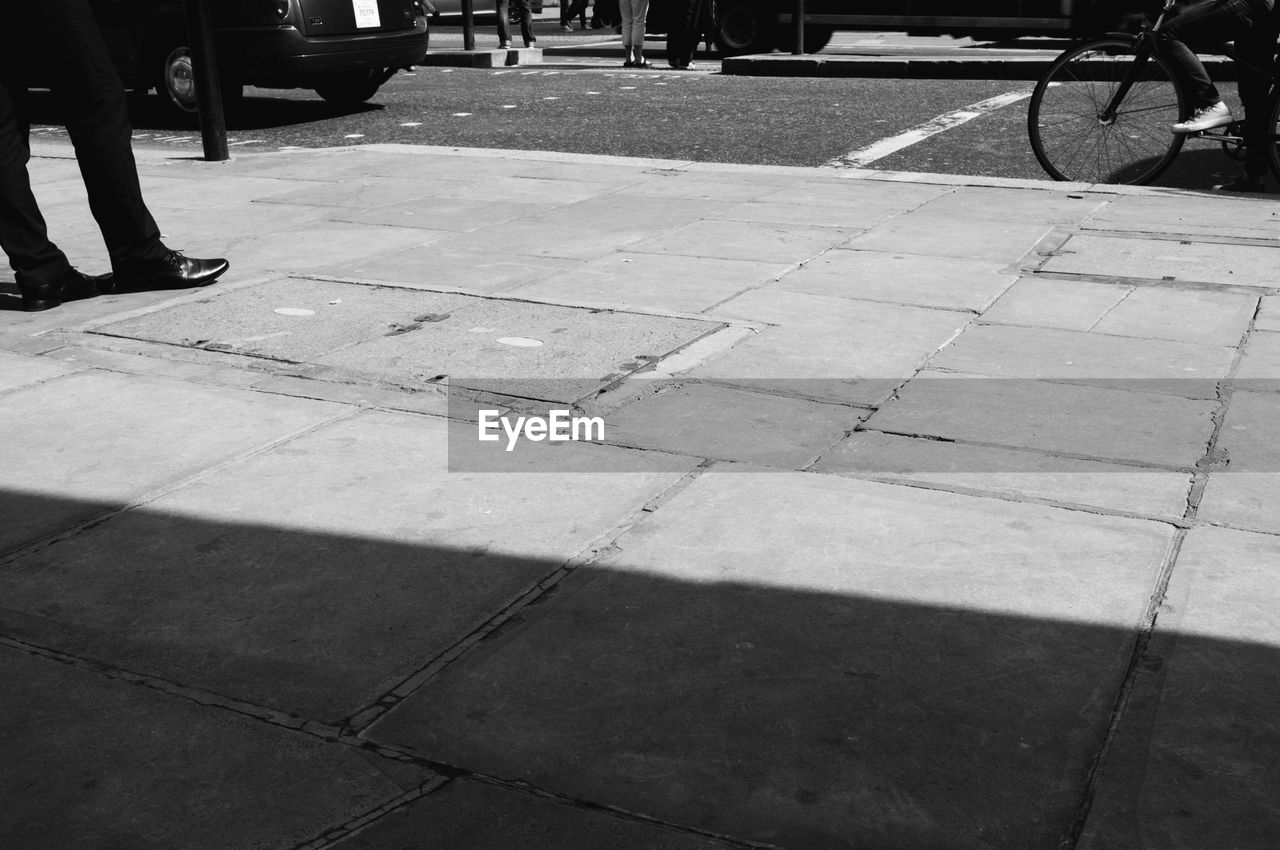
[531,42]
[566,28]
[687,66]
[1205,118]
[1246,182]
[504,45]
[642,63]
[72,286]
[174,270]
[628,64]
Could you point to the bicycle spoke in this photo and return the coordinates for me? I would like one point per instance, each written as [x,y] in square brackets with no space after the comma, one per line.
[1069,134]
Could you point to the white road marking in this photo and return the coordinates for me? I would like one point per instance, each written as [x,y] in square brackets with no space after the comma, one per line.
[411,124]
[893,144]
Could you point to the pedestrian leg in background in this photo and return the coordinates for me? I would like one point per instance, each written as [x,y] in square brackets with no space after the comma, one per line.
[681,38]
[65,36]
[633,23]
[524,13]
[503,9]
[570,9]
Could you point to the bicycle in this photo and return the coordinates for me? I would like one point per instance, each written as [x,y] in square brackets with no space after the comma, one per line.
[1102,111]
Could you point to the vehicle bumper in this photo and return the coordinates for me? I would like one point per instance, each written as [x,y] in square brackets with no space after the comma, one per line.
[283,57]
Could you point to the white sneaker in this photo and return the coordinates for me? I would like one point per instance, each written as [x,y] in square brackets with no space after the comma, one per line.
[1205,118]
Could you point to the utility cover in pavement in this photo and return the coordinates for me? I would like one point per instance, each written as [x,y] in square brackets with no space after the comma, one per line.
[1166,259]
[413,337]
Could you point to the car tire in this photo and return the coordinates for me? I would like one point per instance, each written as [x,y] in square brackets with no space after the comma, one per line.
[351,90]
[743,26]
[815,38]
[177,89]
[177,84]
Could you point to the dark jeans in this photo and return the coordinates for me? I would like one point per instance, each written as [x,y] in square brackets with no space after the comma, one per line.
[683,30]
[1251,27]
[504,21]
[91,98]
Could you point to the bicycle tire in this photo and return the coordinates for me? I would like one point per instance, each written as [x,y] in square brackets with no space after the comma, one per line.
[1072,142]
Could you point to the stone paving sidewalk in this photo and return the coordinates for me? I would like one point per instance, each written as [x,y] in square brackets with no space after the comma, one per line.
[929,512]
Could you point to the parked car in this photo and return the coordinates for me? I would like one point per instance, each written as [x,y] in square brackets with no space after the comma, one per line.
[343,49]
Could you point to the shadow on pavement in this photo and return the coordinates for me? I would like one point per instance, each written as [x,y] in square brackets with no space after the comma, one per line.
[775,711]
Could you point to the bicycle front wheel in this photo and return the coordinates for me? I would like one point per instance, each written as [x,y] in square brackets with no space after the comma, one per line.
[1078,133]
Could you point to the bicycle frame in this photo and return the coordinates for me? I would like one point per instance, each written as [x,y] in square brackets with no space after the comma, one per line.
[1143,48]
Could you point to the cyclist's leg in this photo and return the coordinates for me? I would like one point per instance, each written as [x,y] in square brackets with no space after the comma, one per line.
[1207,21]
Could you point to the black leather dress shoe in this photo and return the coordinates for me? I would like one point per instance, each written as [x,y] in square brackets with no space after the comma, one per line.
[72,286]
[172,271]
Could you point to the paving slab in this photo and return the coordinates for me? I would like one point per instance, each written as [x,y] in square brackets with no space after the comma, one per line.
[1268,314]
[357,193]
[1047,207]
[1096,422]
[96,440]
[946,282]
[1065,304]
[591,228]
[1009,474]
[476,814]
[737,240]
[293,319]
[703,420]
[882,196]
[1189,214]
[1193,762]
[1005,351]
[528,349]
[432,213]
[92,763]
[888,667]
[248,585]
[1199,316]
[1260,364]
[1247,493]
[317,246]
[652,281]
[220,187]
[830,348]
[971,236]
[708,185]
[1142,257]
[477,269]
[19,371]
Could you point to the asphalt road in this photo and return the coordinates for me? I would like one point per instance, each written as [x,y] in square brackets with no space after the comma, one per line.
[589,105]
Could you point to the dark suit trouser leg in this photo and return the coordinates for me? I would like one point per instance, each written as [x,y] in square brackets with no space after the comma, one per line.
[23,235]
[91,98]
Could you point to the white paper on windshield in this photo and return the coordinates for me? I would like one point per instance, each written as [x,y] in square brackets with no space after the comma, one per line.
[366,13]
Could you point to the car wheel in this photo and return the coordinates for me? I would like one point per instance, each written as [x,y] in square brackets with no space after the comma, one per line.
[815,38]
[742,26]
[177,86]
[351,90]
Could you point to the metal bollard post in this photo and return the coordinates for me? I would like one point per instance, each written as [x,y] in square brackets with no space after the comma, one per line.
[797,28]
[468,25]
[204,62]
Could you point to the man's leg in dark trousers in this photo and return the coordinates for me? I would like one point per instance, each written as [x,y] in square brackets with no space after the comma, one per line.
[23,235]
[91,97]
